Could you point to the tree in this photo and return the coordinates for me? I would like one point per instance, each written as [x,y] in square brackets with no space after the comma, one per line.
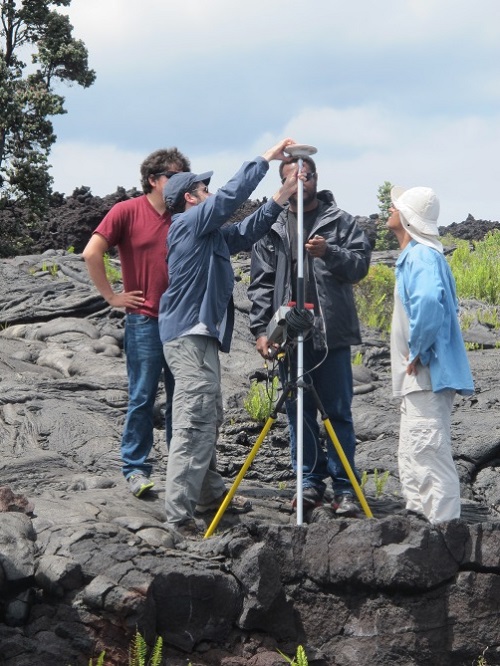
[27,97]
[385,239]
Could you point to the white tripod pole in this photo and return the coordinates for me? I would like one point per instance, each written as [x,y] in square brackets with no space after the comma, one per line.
[300,151]
[300,349]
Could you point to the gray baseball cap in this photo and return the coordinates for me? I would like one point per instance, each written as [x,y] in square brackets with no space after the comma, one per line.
[180,183]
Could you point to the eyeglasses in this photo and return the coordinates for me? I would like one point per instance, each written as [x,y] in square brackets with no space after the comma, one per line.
[196,189]
[308,176]
[167,174]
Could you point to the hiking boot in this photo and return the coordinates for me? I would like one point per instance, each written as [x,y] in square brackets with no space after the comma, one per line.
[238,504]
[189,529]
[345,506]
[311,498]
[139,484]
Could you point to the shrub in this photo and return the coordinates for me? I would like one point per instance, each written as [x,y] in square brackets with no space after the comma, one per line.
[261,399]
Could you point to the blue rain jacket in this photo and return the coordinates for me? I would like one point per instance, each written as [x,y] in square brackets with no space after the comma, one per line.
[201,276]
[427,290]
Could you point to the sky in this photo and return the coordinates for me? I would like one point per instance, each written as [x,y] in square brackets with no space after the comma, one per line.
[405,91]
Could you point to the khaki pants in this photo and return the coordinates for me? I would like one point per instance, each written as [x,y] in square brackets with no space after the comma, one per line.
[196,417]
[427,471]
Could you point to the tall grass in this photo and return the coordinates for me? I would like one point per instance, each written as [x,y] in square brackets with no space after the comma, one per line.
[375,297]
[476,268]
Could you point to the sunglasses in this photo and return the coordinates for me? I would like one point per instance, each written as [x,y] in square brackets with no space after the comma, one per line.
[167,174]
[308,176]
[199,189]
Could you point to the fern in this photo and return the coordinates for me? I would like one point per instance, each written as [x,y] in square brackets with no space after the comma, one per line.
[156,654]
[300,658]
[137,651]
[100,660]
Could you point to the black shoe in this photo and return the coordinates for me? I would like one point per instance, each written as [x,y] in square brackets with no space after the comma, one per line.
[311,498]
[345,506]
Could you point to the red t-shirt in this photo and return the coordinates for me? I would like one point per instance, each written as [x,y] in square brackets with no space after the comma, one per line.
[140,234]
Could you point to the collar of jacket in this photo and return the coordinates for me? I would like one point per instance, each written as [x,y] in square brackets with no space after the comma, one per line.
[327,204]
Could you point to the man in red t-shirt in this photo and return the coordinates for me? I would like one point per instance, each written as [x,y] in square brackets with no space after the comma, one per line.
[138,228]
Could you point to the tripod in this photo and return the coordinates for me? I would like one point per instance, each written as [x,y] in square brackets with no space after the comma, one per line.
[287,391]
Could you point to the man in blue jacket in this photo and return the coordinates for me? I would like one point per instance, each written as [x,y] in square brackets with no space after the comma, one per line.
[428,357]
[196,320]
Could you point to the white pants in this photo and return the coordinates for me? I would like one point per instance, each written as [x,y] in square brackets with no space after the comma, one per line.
[428,475]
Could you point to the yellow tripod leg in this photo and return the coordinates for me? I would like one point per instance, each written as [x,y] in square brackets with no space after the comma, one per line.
[227,499]
[348,468]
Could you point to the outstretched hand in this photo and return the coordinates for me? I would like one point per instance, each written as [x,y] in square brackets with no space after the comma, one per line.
[277,152]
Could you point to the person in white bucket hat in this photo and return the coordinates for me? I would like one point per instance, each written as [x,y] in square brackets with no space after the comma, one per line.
[428,358]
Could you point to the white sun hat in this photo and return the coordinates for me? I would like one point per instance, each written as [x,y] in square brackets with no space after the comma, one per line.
[419,212]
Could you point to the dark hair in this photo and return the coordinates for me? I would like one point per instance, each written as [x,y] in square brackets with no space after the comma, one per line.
[294,160]
[178,207]
[165,159]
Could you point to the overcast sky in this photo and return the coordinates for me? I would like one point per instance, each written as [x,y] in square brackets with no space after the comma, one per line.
[406,91]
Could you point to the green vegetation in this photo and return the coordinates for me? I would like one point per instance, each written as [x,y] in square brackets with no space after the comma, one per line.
[481,660]
[100,660]
[357,358]
[475,268]
[476,273]
[34,30]
[385,238]
[242,276]
[300,658]
[379,481]
[374,297]
[138,653]
[261,399]
[113,274]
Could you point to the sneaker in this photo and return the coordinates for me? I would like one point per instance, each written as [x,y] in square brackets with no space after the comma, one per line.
[311,498]
[139,484]
[238,504]
[344,505]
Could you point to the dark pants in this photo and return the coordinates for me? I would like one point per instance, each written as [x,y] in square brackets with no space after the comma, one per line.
[333,382]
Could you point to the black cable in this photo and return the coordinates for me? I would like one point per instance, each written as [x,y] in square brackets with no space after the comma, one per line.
[298,321]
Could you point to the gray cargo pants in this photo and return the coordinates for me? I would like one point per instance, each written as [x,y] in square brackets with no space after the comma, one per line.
[192,476]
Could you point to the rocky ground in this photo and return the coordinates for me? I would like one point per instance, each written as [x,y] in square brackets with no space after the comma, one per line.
[83,563]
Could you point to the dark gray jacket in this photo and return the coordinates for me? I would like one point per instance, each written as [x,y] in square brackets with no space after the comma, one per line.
[346,262]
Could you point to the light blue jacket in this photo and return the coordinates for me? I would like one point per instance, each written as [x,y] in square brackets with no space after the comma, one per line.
[426,287]
[201,276]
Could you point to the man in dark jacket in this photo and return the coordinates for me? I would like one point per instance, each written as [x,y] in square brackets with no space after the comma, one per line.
[337,255]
